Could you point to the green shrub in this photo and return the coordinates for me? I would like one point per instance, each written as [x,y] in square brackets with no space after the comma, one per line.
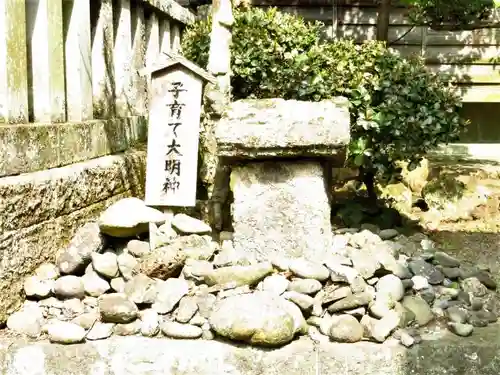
[399,109]
[457,13]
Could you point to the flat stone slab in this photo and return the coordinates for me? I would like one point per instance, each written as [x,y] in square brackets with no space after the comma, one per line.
[266,128]
[281,209]
[448,355]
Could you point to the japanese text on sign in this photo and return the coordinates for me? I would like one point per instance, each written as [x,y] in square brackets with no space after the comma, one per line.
[172,163]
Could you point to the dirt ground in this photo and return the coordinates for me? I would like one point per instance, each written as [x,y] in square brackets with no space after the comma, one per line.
[475,240]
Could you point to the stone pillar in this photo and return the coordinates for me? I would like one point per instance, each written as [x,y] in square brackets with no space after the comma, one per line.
[219,59]
[216,97]
[13,62]
[123,59]
[46,44]
[102,62]
[78,61]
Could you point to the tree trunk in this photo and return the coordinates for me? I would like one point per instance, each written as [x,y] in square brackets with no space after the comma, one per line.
[368,178]
[384,11]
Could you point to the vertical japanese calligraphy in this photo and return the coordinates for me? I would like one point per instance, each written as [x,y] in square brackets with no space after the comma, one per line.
[173,134]
[173,163]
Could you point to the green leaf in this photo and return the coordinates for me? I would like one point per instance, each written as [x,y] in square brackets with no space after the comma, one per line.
[359,160]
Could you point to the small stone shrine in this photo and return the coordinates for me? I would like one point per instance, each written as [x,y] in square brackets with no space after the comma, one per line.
[280,153]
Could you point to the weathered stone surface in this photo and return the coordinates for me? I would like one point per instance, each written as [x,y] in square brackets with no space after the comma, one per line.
[382,328]
[128,218]
[420,308]
[141,289]
[100,331]
[126,264]
[461,329]
[118,284]
[69,287]
[277,127]
[36,287]
[477,355]
[445,260]
[261,318]
[345,274]
[229,256]
[351,302]
[94,285]
[128,329]
[169,293]
[117,308]
[190,225]
[391,287]
[239,275]
[65,333]
[86,320]
[287,199]
[196,269]
[276,284]
[55,203]
[309,269]
[138,248]
[346,328]
[305,286]
[333,293]
[27,322]
[474,287]
[303,301]
[150,323]
[162,263]
[181,331]
[106,264]
[47,271]
[421,268]
[86,241]
[186,310]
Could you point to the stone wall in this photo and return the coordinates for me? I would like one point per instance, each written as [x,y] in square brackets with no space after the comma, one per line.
[40,211]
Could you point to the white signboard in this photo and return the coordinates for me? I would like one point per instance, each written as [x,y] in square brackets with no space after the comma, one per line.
[174,122]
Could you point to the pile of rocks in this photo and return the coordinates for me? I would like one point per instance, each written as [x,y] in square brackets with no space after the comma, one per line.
[376,285]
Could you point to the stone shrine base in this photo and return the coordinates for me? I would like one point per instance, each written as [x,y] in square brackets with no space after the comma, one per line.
[281,208]
[446,354]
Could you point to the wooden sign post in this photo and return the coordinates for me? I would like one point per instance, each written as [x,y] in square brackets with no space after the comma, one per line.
[173,131]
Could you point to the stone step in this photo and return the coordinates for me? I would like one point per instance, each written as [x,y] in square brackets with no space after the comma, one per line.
[446,354]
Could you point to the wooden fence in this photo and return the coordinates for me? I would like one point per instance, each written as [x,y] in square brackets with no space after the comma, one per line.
[77,60]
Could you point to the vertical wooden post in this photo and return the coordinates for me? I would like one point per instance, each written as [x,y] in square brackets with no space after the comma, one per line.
[122,59]
[139,59]
[13,62]
[335,20]
[165,42]
[102,62]
[152,48]
[153,39]
[46,44]
[176,37]
[78,60]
